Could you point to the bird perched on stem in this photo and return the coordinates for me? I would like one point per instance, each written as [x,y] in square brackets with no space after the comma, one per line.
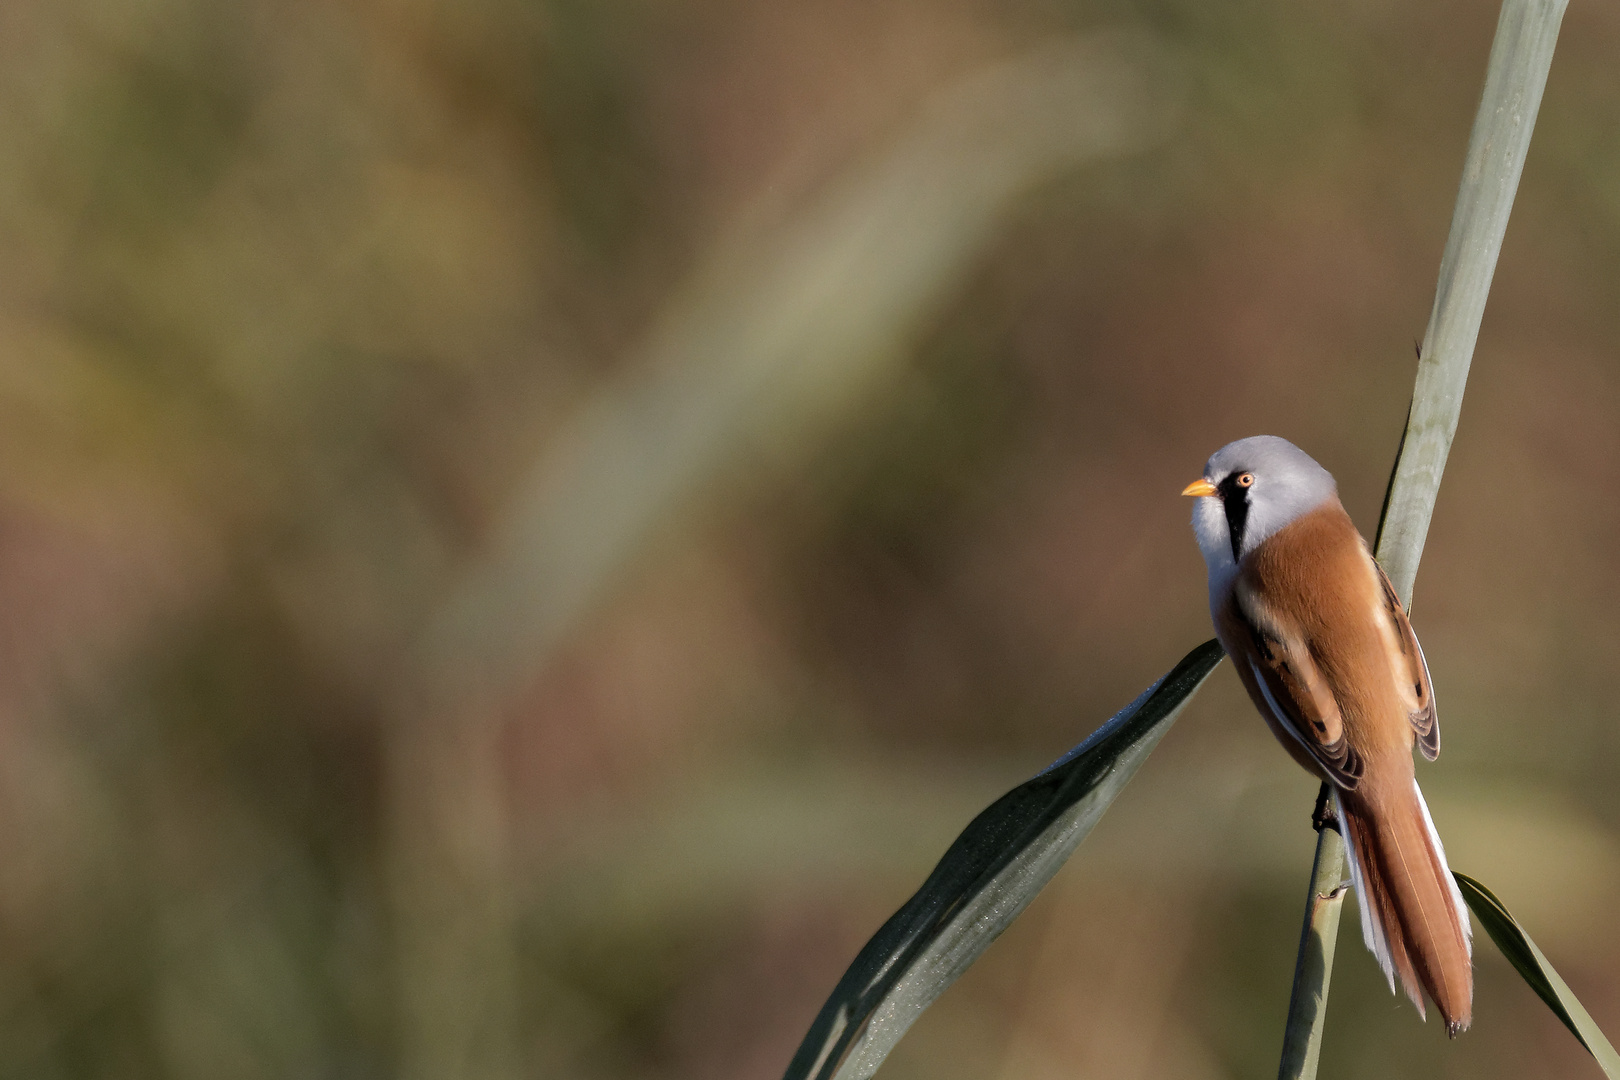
[1324,648]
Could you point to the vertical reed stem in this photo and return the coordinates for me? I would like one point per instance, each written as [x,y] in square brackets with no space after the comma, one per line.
[1521,54]
[1302,1042]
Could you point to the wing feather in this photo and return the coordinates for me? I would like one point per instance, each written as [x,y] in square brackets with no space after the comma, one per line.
[1293,687]
[1424,720]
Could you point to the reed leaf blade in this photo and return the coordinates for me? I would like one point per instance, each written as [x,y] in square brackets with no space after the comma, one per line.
[1533,967]
[984,881]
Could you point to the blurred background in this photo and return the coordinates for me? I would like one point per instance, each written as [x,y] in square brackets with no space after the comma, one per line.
[526,526]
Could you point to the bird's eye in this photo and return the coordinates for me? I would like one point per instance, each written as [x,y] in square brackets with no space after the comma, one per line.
[1246,480]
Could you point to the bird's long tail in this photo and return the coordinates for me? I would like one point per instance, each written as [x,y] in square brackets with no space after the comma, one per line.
[1412,915]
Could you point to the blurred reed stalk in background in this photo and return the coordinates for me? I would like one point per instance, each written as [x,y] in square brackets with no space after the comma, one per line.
[778,333]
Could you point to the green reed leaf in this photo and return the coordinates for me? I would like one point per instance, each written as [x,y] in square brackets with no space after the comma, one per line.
[1533,967]
[985,880]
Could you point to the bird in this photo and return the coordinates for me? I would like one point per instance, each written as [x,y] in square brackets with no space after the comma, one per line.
[1326,651]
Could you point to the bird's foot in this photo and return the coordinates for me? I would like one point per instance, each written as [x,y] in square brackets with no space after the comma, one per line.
[1325,816]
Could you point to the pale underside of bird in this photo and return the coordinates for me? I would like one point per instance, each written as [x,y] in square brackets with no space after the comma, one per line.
[1325,650]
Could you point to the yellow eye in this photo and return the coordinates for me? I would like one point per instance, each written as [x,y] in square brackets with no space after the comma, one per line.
[1246,480]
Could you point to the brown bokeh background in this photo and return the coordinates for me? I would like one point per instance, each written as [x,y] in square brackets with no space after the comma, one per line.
[428,648]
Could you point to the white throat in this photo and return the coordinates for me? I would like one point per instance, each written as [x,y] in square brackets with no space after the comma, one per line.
[1215,541]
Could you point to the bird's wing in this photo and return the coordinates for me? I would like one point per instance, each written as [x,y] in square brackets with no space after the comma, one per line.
[1412,672]
[1298,696]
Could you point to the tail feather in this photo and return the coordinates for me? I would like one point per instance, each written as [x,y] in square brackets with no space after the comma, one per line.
[1457,902]
[1412,915]
[1372,927]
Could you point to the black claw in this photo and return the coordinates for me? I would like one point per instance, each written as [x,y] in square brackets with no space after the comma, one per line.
[1325,816]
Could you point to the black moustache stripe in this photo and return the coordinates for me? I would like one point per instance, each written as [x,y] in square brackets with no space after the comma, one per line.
[1236,501]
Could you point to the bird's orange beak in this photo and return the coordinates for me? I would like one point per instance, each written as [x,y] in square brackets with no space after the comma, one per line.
[1199,487]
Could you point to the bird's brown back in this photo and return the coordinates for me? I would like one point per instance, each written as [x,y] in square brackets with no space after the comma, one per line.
[1317,576]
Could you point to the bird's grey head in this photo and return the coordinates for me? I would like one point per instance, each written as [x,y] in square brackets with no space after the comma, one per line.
[1250,489]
